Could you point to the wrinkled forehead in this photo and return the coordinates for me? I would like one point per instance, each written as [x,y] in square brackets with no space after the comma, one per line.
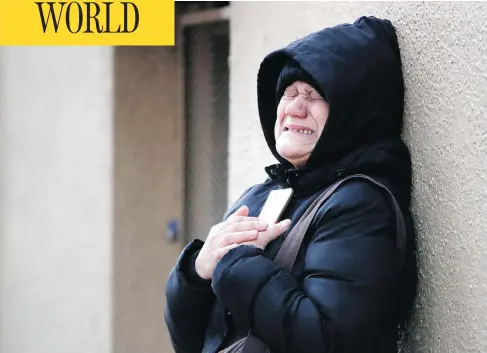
[301,88]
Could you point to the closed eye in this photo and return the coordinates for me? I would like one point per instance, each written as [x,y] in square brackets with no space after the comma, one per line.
[290,95]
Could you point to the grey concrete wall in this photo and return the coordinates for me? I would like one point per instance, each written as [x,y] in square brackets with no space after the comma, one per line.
[148,190]
[444,49]
[56,196]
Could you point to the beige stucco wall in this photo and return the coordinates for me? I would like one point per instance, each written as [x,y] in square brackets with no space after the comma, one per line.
[56,200]
[444,48]
[148,184]
[90,172]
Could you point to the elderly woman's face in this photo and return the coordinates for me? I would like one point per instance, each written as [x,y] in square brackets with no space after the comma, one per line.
[301,117]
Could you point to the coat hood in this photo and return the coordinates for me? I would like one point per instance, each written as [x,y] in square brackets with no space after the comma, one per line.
[358,68]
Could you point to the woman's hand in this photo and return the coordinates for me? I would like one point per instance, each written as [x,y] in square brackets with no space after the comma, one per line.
[271,233]
[236,229]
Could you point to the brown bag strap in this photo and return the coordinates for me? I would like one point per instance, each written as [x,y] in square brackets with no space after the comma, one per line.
[289,250]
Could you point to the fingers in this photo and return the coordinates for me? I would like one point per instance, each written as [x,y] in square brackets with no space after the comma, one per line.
[240,215]
[269,235]
[258,225]
[222,251]
[274,231]
[236,219]
[242,211]
[239,237]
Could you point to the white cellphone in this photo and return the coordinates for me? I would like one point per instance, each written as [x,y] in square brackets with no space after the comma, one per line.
[275,205]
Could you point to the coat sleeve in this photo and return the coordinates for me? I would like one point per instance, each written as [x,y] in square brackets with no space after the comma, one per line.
[340,302]
[189,301]
[189,298]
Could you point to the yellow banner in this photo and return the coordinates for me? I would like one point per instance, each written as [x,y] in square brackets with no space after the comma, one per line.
[135,22]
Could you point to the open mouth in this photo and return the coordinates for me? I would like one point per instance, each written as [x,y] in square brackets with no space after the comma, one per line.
[300,131]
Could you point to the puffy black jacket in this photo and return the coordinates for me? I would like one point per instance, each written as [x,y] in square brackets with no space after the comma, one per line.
[346,292]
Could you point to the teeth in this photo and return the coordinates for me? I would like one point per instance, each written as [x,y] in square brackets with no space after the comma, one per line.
[301,131]
[305,132]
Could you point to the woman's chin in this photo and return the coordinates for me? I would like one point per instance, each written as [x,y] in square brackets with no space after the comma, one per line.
[297,157]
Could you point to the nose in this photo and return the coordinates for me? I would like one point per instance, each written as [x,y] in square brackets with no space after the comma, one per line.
[296,108]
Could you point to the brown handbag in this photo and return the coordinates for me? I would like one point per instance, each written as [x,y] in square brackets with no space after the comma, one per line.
[290,247]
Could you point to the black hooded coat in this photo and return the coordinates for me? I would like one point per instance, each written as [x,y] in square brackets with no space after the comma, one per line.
[346,292]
